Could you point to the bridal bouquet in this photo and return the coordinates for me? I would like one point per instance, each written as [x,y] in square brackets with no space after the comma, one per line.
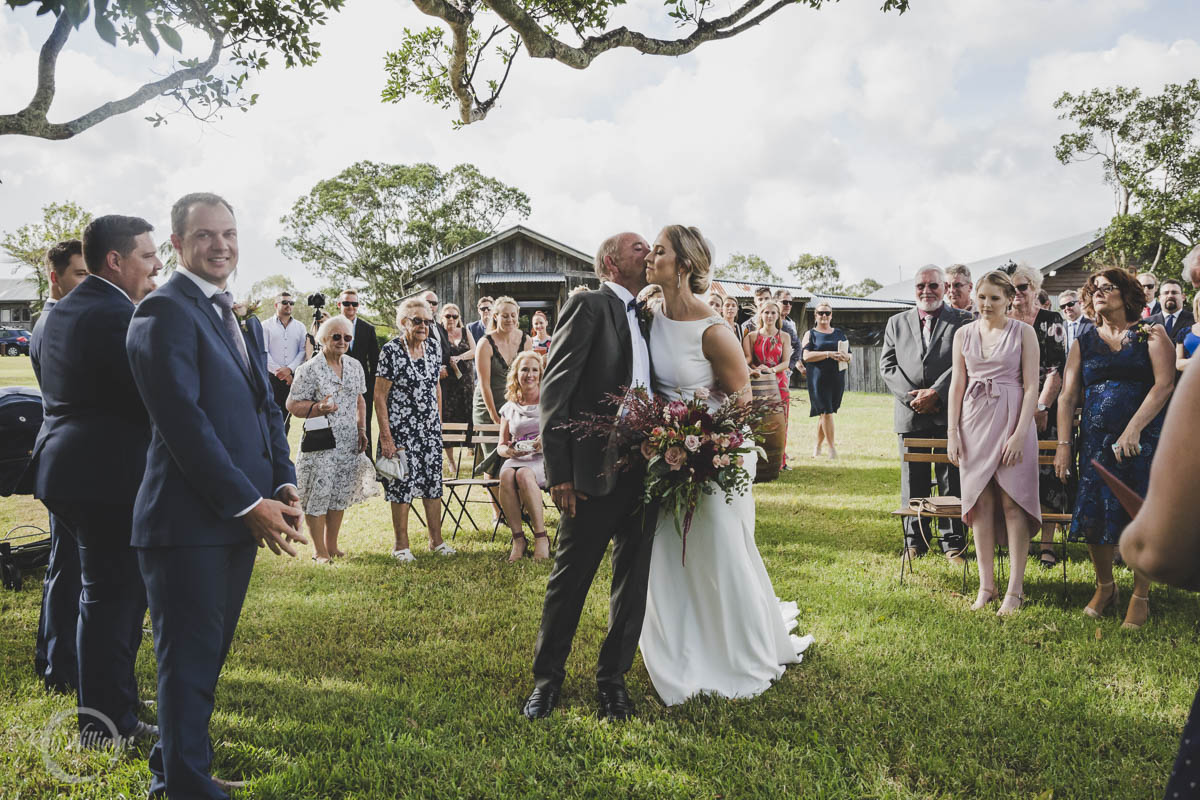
[688,447]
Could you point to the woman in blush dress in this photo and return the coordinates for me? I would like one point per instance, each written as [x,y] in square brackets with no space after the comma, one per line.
[714,625]
[991,436]
[523,473]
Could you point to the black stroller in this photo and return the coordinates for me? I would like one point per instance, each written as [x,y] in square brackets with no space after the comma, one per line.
[25,547]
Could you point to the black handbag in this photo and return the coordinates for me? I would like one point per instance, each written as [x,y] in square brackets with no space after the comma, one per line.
[317,440]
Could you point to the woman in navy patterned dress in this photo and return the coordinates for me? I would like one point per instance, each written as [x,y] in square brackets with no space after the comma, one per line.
[408,397]
[1125,371]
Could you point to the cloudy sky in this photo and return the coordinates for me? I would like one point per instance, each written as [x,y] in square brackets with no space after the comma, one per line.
[884,141]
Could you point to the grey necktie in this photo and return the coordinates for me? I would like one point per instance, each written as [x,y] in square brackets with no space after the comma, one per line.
[225,301]
[926,330]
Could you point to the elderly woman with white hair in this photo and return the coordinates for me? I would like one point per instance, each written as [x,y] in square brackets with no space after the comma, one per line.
[1052,361]
[329,388]
[408,398]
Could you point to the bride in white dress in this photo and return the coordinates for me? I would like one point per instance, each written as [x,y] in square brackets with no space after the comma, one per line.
[714,625]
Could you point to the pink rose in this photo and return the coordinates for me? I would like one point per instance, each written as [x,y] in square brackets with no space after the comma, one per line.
[702,393]
[691,442]
[717,462]
[647,449]
[675,457]
[725,461]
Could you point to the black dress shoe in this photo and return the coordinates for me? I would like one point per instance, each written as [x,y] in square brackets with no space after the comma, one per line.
[540,703]
[614,703]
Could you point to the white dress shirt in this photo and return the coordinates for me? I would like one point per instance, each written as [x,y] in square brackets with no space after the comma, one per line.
[285,344]
[641,353]
[211,289]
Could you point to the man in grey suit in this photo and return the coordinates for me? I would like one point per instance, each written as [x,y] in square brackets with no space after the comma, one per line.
[1075,324]
[916,366]
[598,348]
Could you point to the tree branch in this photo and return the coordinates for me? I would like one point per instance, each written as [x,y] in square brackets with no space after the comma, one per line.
[32,120]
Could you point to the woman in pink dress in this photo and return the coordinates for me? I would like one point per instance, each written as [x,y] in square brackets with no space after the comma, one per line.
[991,437]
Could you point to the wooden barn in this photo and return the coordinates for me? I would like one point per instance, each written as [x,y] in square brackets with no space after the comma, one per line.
[533,269]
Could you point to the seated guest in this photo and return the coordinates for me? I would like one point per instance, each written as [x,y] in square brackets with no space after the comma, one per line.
[1123,371]
[991,437]
[1187,338]
[330,481]
[523,473]
[1174,316]
[498,348]
[89,460]
[916,366]
[541,339]
[826,380]
[408,404]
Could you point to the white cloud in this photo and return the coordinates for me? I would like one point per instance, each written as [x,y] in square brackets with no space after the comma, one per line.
[877,139]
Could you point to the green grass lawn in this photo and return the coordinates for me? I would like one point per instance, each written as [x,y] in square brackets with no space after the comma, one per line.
[372,680]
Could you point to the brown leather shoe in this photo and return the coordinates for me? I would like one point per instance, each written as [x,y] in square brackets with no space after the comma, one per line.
[955,557]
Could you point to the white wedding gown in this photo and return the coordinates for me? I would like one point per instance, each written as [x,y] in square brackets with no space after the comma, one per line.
[714,625]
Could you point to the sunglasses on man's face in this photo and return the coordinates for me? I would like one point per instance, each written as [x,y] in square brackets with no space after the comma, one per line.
[287,302]
[349,304]
[432,303]
[1069,304]
[785,302]
[485,309]
[342,337]
[1148,286]
[933,287]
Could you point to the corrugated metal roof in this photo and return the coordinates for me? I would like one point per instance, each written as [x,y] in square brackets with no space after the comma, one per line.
[519,277]
[1044,257]
[17,290]
[842,303]
[745,289]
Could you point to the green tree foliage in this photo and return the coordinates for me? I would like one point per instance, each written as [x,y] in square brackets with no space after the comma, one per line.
[26,247]
[862,288]
[818,274]
[1150,154]
[244,34]
[373,225]
[745,267]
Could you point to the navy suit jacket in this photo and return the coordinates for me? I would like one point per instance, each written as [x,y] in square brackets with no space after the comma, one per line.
[92,444]
[218,443]
[1183,319]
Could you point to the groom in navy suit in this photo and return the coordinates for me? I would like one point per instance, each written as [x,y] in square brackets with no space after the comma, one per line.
[219,483]
[89,459]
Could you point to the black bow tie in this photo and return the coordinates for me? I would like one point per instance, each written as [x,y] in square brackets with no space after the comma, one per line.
[636,305]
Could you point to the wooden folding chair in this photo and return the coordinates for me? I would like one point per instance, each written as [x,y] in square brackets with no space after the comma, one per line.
[459,489]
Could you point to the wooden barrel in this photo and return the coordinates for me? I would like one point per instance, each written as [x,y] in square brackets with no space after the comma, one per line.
[774,435]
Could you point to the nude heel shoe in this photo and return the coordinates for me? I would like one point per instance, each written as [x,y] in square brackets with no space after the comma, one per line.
[1138,612]
[984,597]
[1096,608]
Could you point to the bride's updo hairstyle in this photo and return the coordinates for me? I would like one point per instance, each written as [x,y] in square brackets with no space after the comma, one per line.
[693,254]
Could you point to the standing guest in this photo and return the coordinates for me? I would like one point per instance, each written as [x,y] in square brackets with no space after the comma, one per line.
[364,349]
[788,326]
[715,302]
[959,288]
[1051,336]
[330,481]
[285,351]
[431,299]
[311,348]
[55,658]
[538,329]
[916,362]
[729,313]
[1173,316]
[826,380]
[458,386]
[768,351]
[991,436]
[409,405]
[1149,283]
[208,500]
[1161,542]
[499,347]
[1074,322]
[761,295]
[1123,369]
[88,461]
[1187,339]
[480,326]
[523,473]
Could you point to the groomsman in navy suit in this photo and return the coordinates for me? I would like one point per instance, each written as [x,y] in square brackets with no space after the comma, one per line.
[1173,314]
[89,459]
[218,484]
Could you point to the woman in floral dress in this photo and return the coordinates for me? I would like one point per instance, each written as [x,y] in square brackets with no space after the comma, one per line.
[408,397]
[330,481]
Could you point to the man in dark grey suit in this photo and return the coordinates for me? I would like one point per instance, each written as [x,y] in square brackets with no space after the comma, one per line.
[1075,324]
[1173,316]
[916,366]
[598,348]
